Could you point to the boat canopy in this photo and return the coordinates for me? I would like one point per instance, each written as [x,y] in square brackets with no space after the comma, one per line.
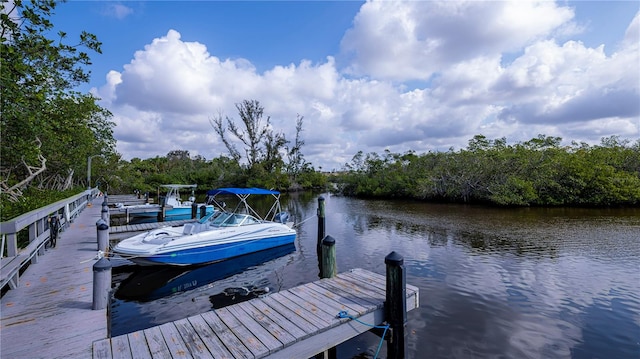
[243,194]
[240,191]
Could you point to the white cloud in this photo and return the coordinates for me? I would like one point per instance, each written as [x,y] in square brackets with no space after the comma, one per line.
[164,98]
[632,35]
[118,10]
[413,40]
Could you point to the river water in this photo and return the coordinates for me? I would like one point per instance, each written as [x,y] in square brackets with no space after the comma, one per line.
[494,283]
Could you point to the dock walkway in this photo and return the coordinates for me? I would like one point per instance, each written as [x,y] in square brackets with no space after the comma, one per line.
[50,314]
[117,233]
[295,323]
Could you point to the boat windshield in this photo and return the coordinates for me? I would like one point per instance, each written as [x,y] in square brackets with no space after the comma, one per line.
[227,219]
[209,217]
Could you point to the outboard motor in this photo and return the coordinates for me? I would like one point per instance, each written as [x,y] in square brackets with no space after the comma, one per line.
[282,217]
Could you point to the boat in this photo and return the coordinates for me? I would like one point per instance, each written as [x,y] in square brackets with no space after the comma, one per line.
[175,208]
[218,236]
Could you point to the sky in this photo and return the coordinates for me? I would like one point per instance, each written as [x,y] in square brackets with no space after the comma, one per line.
[366,76]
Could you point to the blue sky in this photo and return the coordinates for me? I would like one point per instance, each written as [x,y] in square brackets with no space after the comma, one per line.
[366,76]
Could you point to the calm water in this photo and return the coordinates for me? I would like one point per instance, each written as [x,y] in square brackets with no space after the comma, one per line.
[494,283]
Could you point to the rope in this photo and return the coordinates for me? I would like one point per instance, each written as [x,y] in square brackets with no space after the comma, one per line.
[297,224]
[96,257]
[344,314]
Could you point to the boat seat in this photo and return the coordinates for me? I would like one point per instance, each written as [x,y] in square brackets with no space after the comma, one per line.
[191,228]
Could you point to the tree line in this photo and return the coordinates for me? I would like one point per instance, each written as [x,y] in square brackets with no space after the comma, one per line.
[538,172]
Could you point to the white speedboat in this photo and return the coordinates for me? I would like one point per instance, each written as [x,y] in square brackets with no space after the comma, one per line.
[218,236]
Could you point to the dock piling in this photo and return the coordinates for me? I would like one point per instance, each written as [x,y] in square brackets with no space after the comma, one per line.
[395,304]
[104,214]
[161,213]
[102,229]
[101,283]
[328,267]
[203,211]
[321,223]
[194,210]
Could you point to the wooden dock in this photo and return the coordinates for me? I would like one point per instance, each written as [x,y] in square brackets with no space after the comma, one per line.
[126,199]
[295,323]
[117,233]
[49,315]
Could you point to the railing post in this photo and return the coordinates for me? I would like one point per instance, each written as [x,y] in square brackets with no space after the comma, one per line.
[102,229]
[33,235]
[12,244]
[101,283]
[67,216]
[328,267]
[41,227]
[396,305]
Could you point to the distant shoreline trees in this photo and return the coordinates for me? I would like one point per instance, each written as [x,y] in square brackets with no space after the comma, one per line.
[538,172]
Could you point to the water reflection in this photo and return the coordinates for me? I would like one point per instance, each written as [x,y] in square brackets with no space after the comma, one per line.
[150,296]
[531,283]
[150,283]
[525,283]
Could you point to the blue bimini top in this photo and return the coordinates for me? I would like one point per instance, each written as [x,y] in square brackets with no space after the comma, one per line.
[240,191]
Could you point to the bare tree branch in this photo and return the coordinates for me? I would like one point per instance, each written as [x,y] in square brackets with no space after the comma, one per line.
[15,192]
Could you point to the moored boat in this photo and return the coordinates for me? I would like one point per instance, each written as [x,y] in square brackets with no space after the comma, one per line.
[218,236]
[175,207]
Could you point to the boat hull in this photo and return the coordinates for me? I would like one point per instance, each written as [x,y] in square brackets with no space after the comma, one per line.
[213,253]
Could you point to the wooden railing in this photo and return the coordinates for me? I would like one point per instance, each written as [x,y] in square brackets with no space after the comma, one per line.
[37,222]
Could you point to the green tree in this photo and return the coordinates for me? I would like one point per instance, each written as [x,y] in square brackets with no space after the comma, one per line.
[47,129]
[263,147]
[535,172]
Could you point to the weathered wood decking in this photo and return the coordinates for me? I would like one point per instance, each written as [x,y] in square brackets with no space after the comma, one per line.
[117,233]
[296,323]
[49,314]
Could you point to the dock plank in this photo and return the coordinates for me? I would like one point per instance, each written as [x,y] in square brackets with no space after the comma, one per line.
[291,314]
[354,296]
[208,337]
[278,320]
[252,343]
[139,347]
[304,308]
[102,350]
[177,346]
[273,340]
[157,345]
[120,347]
[345,299]
[192,340]
[49,315]
[235,345]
